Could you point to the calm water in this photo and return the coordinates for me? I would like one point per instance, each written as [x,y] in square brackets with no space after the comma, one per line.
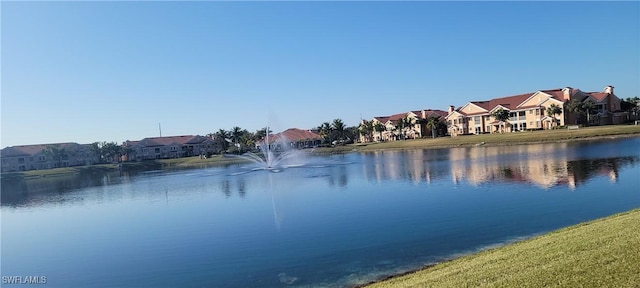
[339,221]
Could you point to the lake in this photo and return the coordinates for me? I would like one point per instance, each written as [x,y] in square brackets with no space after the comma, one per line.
[337,221]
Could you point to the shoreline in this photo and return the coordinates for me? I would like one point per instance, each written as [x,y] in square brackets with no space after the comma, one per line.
[484,262]
[466,141]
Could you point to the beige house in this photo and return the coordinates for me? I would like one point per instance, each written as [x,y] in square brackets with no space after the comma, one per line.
[168,147]
[529,111]
[414,125]
[37,157]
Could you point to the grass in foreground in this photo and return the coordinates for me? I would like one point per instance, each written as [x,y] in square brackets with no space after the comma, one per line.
[600,253]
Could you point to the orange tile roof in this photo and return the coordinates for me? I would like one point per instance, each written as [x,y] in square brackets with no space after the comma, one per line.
[599,96]
[292,134]
[557,93]
[298,134]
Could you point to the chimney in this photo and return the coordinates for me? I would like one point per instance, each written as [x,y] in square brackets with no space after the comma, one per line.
[566,93]
[451,108]
[424,114]
[608,90]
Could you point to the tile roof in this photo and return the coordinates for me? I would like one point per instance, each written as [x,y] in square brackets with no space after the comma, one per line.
[169,140]
[599,96]
[299,134]
[292,134]
[510,102]
[556,93]
[26,150]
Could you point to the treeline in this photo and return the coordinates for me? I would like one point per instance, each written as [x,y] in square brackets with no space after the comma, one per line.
[238,140]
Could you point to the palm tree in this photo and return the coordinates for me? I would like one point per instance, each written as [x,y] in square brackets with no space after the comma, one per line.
[56,153]
[581,108]
[379,127]
[432,123]
[576,106]
[501,115]
[588,108]
[366,130]
[554,110]
[339,128]
[236,132]
[325,132]
[262,133]
[221,140]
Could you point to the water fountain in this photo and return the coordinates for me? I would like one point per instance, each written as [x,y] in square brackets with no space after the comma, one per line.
[274,156]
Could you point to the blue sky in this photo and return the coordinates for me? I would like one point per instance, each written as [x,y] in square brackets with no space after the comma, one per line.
[111,71]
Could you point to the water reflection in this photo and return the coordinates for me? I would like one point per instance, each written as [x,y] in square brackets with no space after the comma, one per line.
[543,165]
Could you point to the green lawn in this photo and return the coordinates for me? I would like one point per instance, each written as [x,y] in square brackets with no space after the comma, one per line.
[600,253]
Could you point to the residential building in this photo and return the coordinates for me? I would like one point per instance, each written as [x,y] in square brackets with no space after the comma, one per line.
[295,138]
[408,125]
[529,111]
[41,156]
[168,147]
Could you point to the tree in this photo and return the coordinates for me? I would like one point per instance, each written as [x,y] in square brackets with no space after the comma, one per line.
[631,105]
[222,140]
[339,128]
[325,132]
[501,115]
[575,106]
[366,130]
[236,132]
[554,110]
[588,108]
[107,152]
[262,133]
[433,123]
[56,153]
[581,108]
[379,127]
[402,124]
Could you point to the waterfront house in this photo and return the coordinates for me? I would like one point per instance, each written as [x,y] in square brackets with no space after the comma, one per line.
[294,138]
[529,111]
[408,125]
[46,156]
[168,147]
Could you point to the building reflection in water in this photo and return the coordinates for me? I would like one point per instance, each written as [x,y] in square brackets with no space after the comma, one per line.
[543,165]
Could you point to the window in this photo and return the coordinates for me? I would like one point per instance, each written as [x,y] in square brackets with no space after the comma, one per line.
[20,160]
[476,119]
[530,112]
[530,123]
[157,150]
[537,111]
[521,113]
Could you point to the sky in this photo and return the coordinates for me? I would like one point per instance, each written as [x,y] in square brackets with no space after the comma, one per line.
[114,71]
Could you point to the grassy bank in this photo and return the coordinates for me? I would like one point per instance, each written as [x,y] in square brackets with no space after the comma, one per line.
[187,162]
[529,137]
[600,253]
